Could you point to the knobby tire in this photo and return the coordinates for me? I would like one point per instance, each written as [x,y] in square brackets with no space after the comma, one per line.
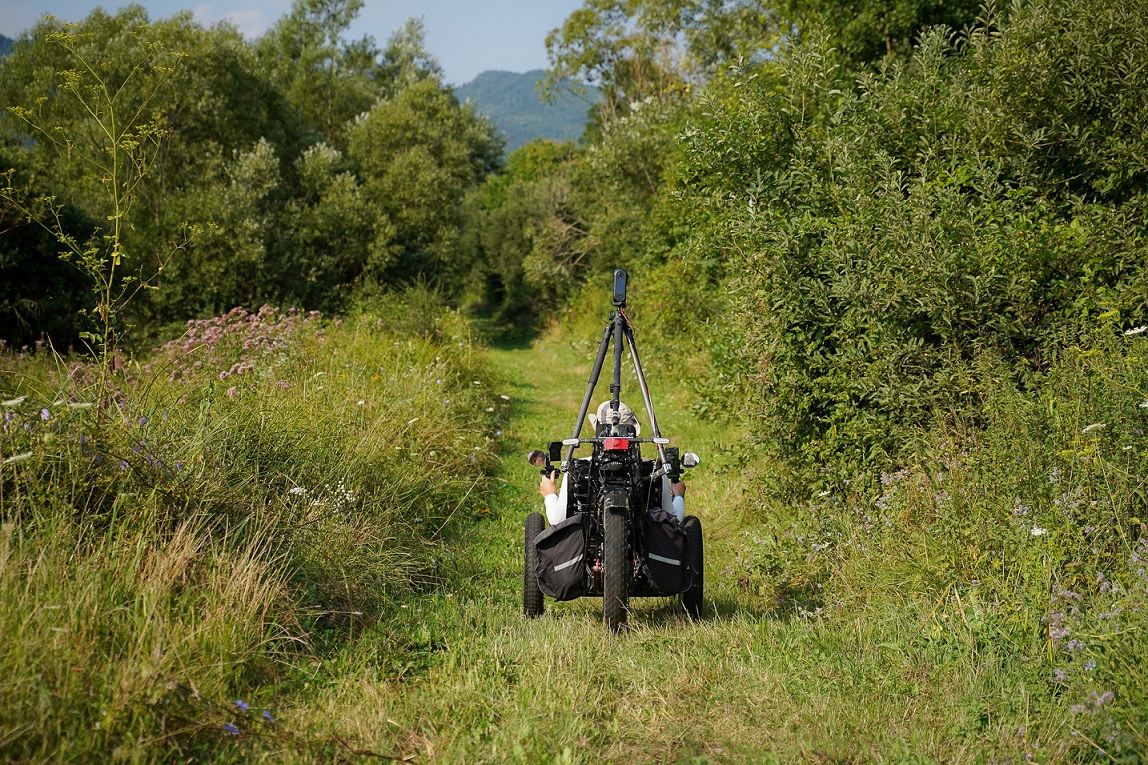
[531,595]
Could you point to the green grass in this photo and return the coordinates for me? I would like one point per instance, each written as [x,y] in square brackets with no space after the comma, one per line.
[874,649]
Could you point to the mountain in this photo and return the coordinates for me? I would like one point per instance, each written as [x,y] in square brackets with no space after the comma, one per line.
[511,102]
[6,44]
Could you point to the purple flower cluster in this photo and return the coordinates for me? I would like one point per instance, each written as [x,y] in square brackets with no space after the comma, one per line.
[232,344]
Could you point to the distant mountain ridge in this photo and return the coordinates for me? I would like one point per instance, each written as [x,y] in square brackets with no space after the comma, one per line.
[6,44]
[512,103]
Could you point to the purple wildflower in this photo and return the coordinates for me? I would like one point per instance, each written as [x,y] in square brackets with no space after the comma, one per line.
[241,704]
[1090,666]
[267,716]
[44,415]
[231,729]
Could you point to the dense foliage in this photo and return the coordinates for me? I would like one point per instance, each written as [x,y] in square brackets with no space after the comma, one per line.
[276,160]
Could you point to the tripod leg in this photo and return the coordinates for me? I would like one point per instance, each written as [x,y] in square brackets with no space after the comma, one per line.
[644,388]
[594,373]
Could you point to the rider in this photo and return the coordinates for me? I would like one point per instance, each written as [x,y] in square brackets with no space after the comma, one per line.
[555,499]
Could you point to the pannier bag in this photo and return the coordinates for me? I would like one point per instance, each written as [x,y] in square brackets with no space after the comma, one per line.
[562,559]
[667,563]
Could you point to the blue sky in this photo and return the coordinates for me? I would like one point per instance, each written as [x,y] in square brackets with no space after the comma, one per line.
[467,36]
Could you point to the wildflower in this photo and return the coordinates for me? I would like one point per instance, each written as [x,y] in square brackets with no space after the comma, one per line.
[283,384]
[18,458]
[267,716]
[241,704]
[232,392]
[123,465]
[1100,699]
[231,729]
[1095,426]
[1077,709]
[44,415]
[490,409]
[361,402]
[498,432]
[1090,666]
[504,397]
[1135,331]
[1038,531]
[823,493]
[1074,645]
[297,490]
[1059,676]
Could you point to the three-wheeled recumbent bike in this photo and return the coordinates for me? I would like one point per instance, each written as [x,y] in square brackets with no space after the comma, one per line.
[622,535]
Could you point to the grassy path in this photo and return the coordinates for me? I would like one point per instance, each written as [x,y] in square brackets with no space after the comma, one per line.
[483,684]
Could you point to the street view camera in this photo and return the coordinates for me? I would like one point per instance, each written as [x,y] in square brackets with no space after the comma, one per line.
[620,288]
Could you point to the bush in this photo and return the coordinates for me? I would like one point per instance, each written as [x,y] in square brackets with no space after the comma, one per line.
[886,236]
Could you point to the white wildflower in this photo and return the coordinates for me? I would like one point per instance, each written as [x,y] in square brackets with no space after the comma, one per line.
[1144,404]
[504,397]
[361,402]
[823,493]
[297,490]
[1038,531]
[1135,330]
[1095,426]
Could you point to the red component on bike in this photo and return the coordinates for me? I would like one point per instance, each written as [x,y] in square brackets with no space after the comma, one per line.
[616,444]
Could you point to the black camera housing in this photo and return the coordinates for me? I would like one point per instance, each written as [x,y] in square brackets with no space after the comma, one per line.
[620,277]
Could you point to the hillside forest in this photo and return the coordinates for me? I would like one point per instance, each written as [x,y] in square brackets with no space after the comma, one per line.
[278,318]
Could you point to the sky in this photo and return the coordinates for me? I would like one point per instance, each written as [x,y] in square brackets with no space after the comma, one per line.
[467,36]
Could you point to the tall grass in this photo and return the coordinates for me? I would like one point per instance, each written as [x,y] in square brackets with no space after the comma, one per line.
[1020,542]
[256,491]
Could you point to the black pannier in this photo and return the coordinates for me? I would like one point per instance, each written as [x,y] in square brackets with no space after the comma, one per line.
[562,559]
[667,563]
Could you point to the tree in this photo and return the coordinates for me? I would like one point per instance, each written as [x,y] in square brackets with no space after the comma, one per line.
[417,155]
[637,49]
[327,79]
[97,118]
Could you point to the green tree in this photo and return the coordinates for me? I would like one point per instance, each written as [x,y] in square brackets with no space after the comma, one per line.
[326,78]
[418,154]
[636,49]
[98,120]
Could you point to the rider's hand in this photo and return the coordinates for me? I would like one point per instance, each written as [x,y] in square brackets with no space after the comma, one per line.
[546,486]
[678,490]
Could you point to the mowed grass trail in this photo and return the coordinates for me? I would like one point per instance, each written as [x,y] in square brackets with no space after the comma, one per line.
[483,684]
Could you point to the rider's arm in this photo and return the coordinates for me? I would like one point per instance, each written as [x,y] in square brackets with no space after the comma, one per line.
[555,511]
[678,494]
